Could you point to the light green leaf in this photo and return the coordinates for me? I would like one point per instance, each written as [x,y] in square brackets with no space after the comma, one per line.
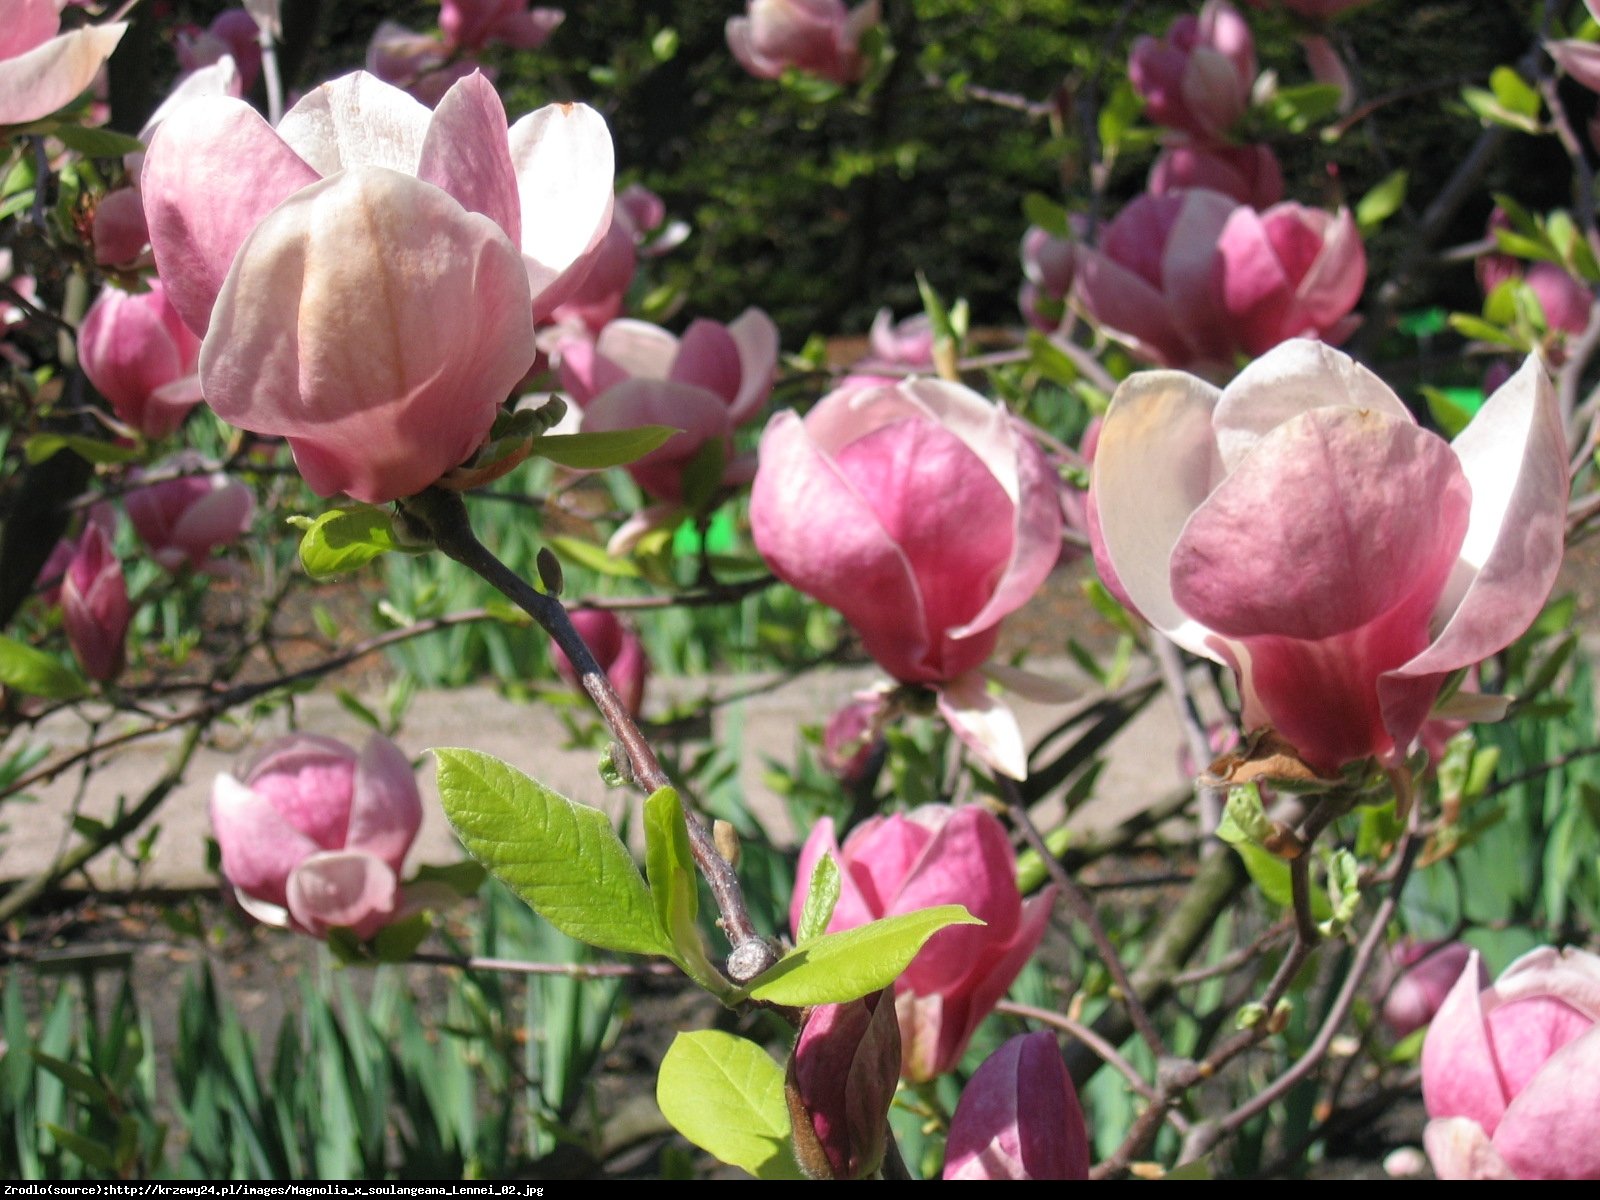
[1381,202]
[611,448]
[822,893]
[725,1094]
[1513,92]
[46,445]
[343,539]
[673,887]
[563,858]
[595,558]
[35,673]
[96,143]
[1047,214]
[837,967]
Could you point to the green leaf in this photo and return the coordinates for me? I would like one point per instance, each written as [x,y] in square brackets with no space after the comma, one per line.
[673,887]
[1381,202]
[35,673]
[464,878]
[96,143]
[1513,92]
[837,967]
[611,448]
[1050,360]
[822,893]
[1448,410]
[395,943]
[1344,892]
[595,558]
[1297,109]
[343,539]
[1244,818]
[1488,109]
[1048,215]
[564,859]
[46,445]
[91,1151]
[1469,326]
[725,1094]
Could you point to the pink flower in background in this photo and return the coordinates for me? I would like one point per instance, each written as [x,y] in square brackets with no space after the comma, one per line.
[1290,272]
[42,69]
[1049,266]
[141,357]
[1152,281]
[902,348]
[121,239]
[233,32]
[1019,1117]
[94,605]
[1566,302]
[818,37]
[851,735]
[474,24]
[182,521]
[615,647]
[925,515]
[1198,77]
[1420,976]
[600,298]
[707,384]
[277,245]
[417,63]
[313,834]
[841,1081]
[935,855]
[1511,1072]
[1301,528]
[1249,174]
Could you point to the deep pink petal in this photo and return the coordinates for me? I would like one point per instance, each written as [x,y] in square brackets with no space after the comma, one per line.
[28,23]
[1129,308]
[385,807]
[466,154]
[1552,1129]
[879,854]
[1460,1075]
[309,779]
[259,847]
[708,358]
[757,338]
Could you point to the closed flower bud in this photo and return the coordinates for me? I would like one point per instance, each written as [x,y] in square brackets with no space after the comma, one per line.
[841,1080]
[1019,1117]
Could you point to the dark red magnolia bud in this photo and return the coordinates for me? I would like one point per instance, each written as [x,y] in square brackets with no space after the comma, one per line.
[841,1080]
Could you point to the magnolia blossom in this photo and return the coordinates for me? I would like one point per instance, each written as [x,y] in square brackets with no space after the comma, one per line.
[42,69]
[473,24]
[898,348]
[615,647]
[1420,976]
[233,33]
[1301,528]
[708,384]
[419,64]
[182,521]
[925,515]
[1511,1072]
[356,273]
[1049,265]
[313,834]
[819,37]
[935,855]
[1198,77]
[1249,174]
[639,214]
[1019,1117]
[852,734]
[1289,272]
[141,357]
[94,605]
[841,1081]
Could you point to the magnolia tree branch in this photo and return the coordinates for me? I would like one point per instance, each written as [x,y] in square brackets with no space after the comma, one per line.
[439,518]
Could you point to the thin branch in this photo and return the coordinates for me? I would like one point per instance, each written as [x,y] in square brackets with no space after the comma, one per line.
[509,966]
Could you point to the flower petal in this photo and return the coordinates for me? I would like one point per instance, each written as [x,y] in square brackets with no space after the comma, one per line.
[1549,1130]
[1459,1149]
[385,808]
[466,153]
[259,847]
[1460,1077]
[343,888]
[35,84]
[357,120]
[757,338]
[985,724]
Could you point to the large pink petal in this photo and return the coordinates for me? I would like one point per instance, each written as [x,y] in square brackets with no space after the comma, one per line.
[985,724]
[214,519]
[343,888]
[1257,292]
[1460,1074]
[563,159]
[1130,309]
[708,358]
[357,120]
[385,808]
[35,84]
[376,324]
[1190,270]
[259,847]
[1552,1129]
[214,170]
[1571,976]
[879,854]
[1155,463]
[1332,286]
[466,153]
[633,350]
[1579,59]
[1514,456]
[28,23]
[819,535]
[757,339]
[127,350]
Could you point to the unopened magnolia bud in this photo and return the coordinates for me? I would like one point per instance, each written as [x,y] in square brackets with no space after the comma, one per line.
[840,1083]
[550,574]
[726,838]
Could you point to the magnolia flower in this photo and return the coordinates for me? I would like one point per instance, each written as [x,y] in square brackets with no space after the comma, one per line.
[819,37]
[1290,271]
[1019,1117]
[707,384]
[233,33]
[1049,266]
[841,1081]
[1511,1072]
[1302,529]
[182,521]
[1198,77]
[1566,302]
[42,69]
[898,347]
[1420,976]
[94,605]
[925,515]
[1249,174]
[473,24]
[356,273]
[313,834]
[935,855]
[141,357]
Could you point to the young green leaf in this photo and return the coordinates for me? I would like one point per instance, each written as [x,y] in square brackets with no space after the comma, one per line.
[46,445]
[35,673]
[725,1094]
[837,967]
[821,895]
[1381,202]
[563,858]
[610,448]
[343,539]
[670,869]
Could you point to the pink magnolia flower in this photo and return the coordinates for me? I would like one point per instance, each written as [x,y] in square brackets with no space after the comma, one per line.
[1198,77]
[1290,272]
[708,384]
[233,32]
[473,24]
[313,835]
[897,347]
[42,69]
[417,63]
[94,606]
[819,37]
[599,299]
[1248,174]
[1019,1117]
[1049,267]
[182,521]
[925,515]
[356,272]
[1302,529]
[141,357]
[1511,1072]
[935,855]
[841,1081]
[121,238]
[1420,976]
[615,647]
[851,735]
